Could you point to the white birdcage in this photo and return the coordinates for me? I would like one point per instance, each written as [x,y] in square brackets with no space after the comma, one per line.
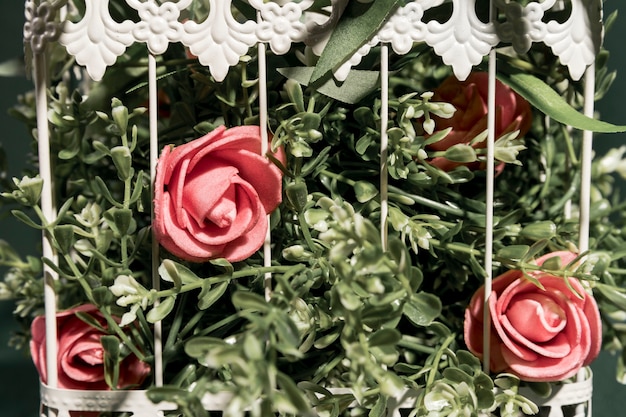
[463,41]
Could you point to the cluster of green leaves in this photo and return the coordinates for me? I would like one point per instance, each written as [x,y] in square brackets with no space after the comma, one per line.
[350,315]
[101,227]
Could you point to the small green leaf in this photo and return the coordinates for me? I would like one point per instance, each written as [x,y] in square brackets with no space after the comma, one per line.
[101,188]
[365,191]
[348,298]
[13,67]
[198,347]
[390,384]
[460,153]
[119,219]
[385,354]
[539,230]
[160,311]
[210,294]
[513,252]
[224,264]
[384,337]
[189,403]
[294,91]
[169,272]
[614,295]
[295,395]
[467,358]
[245,300]
[111,347]
[169,268]
[21,216]
[327,340]
[64,236]
[119,112]
[297,194]
[380,407]
[422,308]
[457,376]
[102,296]
[553,263]
[543,389]
[253,348]
[122,160]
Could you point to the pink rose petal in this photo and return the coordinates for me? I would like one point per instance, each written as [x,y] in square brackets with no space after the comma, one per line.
[536,317]
[80,354]
[204,194]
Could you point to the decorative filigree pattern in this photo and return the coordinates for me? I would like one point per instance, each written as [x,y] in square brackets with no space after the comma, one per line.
[40,27]
[159,25]
[280,26]
[220,40]
[97,40]
[577,41]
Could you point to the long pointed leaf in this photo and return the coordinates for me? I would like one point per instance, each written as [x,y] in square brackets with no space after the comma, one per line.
[544,98]
[358,24]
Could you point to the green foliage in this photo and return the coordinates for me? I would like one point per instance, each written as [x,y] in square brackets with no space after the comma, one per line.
[344,305]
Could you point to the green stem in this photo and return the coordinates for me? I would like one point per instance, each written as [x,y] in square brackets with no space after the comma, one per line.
[145,328]
[338,177]
[126,204]
[217,325]
[176,324]
[112,324]
[221,278]
[429,203]
[620,271]
[435,367]
[14,264]
[416,347]
[456,247]
[306,233]
[191,324]
[416,198]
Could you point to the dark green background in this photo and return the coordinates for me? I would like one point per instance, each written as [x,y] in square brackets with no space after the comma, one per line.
[18,381]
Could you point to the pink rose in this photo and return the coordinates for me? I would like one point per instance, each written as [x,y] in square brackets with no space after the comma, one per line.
[212,195]
[538,334]
[469,97]
[80,353]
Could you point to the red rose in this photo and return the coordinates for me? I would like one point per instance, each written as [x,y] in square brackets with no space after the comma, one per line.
[469,98]
[538,334]
[212,195]
[80,353]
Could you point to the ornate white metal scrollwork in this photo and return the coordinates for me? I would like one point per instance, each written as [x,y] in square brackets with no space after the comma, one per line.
[463,40]
[41,26]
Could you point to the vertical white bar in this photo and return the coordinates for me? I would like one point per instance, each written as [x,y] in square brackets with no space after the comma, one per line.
[267,245]
[384,143]
[585,179]
[586,159]
[489,194]
[47,207]
[154,155]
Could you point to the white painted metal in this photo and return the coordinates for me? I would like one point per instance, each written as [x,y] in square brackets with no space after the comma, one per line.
[219,41]
[463,41]
[489,194]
